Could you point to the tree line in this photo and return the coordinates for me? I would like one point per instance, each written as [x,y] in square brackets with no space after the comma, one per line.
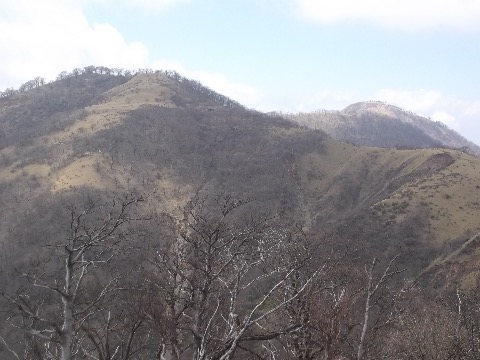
[103,70]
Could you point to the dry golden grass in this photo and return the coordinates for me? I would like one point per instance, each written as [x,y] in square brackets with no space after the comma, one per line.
[143,89]
[82,172]
[155,89]
[341,159]
[9,150]
[451,195]
[140,90]
[11,173]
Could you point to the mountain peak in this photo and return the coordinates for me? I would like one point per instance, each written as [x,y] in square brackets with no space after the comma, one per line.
[374,107]
[144,89]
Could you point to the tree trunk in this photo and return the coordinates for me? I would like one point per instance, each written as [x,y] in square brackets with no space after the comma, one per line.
[67,331]
[68,318]
[361,349]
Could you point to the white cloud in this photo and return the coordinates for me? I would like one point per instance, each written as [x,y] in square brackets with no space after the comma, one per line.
[405,14]
[45,38]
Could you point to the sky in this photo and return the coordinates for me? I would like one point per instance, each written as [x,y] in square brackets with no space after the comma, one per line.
[269,55]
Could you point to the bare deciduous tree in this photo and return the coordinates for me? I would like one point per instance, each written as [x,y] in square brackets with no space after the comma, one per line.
[372,300]
[67,289]
[218,286]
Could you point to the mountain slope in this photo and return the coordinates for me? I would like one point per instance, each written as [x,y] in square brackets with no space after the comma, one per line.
[378,124]
[172,138]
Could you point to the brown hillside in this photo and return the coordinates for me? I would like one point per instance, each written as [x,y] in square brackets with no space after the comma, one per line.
[162,134]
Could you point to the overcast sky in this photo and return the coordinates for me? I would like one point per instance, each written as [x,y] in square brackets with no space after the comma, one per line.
[284,55]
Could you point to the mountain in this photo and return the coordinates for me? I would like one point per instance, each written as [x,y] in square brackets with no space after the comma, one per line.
[162,133]
[375,123]
[92,136]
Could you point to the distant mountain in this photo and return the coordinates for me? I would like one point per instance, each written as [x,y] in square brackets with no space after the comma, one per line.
[375,123]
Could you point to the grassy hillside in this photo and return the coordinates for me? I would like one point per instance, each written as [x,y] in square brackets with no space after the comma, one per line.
[167,136]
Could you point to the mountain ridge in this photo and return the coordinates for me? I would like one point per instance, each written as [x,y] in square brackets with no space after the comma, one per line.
[376,123]
[161,131]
